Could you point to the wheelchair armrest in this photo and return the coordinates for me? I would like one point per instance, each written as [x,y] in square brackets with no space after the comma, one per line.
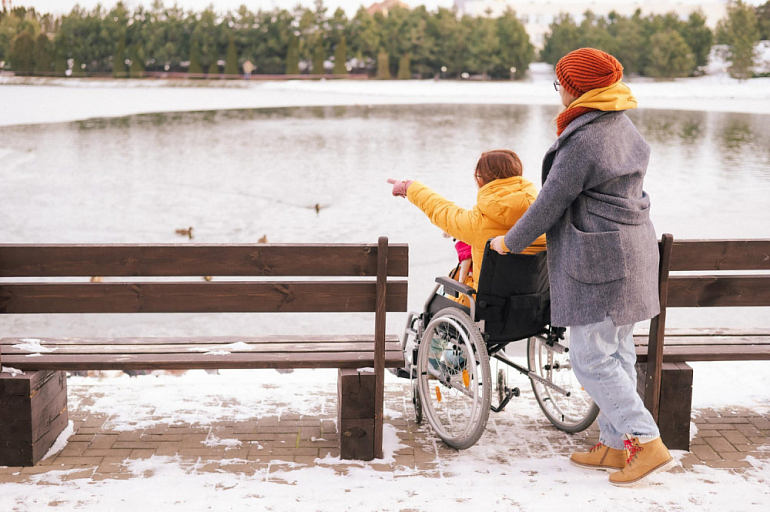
[454,288]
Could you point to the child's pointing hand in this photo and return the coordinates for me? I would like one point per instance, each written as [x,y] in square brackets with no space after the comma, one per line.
[399,187]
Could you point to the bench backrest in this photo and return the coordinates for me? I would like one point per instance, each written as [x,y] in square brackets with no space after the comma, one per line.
[269,262]
[713,288]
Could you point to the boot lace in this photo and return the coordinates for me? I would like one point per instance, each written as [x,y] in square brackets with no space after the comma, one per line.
[595,447]
[631,450]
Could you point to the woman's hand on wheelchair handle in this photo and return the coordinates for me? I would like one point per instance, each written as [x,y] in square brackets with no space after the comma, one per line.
[497,244]
[399,187]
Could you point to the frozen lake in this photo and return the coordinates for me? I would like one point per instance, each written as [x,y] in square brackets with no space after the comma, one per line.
[237,175]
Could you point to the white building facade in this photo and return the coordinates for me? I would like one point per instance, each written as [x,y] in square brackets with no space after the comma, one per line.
[537,16]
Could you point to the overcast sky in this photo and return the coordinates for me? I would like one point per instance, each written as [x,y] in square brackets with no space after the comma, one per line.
[350,6]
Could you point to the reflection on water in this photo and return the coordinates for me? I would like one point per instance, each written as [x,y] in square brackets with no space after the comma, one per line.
[237,175]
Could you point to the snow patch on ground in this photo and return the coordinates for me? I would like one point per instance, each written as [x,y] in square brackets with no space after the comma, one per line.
[536,484]
[731,383]
[200,398]
[61,441]
[510,468]
[213,440]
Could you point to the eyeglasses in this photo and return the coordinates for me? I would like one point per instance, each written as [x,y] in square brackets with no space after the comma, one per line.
[556,85]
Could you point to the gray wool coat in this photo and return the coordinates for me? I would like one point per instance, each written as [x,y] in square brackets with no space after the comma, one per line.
[602,248]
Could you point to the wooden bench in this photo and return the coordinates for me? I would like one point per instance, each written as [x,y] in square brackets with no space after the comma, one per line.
[33,407]
[665,378]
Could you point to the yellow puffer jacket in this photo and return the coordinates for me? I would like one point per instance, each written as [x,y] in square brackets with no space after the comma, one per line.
[499,205]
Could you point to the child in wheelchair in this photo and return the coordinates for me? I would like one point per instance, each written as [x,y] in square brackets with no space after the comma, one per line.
[504,195]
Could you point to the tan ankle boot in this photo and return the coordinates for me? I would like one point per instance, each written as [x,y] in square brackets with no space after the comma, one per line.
[643,460]
[600,457]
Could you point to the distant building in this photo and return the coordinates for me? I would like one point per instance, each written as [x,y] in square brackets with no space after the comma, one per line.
[384,6]
[537,16]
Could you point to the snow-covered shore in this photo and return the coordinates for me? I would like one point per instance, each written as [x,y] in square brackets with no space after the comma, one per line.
[33,101]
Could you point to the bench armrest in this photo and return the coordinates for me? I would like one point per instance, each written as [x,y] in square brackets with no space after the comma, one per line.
[454,288]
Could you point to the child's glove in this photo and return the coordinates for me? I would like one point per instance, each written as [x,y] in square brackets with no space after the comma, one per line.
[463,251]
[399,187]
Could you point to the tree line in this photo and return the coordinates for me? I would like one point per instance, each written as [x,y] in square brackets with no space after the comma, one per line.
[404,43]
[664,45]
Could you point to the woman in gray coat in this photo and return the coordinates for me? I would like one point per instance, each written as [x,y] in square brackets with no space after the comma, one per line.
[602,255]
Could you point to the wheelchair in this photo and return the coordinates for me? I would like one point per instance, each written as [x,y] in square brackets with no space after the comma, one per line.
[448,347]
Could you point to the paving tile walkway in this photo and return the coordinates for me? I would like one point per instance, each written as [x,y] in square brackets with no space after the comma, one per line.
[724,439]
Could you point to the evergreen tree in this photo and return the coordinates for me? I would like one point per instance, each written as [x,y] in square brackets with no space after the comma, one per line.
[213,68]
[669,55]
[292,57]
[137,62]
[563,38]
[631,48]
[119,60]
[483,46]
[60,66]
[77,67]
[22,53]
[42,54]
[231,61]
[740,31]
[340,57]
[763,20]
[195,59]
[318,59]
[383,66]
[698,37]
[404,65]
[514,47]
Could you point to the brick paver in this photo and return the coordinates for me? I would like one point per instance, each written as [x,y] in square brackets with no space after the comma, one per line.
[724,440]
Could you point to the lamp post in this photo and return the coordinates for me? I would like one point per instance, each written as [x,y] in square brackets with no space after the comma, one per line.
[513,72]
[443,70]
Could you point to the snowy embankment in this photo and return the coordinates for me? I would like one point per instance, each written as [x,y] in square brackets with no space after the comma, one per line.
[32,101]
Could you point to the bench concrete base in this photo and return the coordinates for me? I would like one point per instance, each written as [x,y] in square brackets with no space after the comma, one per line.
[355,413]
[33,412]
[675,403]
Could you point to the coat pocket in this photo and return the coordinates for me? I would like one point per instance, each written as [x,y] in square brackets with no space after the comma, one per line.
[594,258]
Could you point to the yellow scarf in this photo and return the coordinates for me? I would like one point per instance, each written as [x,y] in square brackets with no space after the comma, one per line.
[615,97]
[612,98]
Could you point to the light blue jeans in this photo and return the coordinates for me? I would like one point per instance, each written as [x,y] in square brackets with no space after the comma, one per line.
[603,358]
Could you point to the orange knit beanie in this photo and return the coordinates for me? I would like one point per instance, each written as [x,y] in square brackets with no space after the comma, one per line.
[587,68]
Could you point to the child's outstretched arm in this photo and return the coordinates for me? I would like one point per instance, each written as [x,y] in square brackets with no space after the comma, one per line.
[458,222]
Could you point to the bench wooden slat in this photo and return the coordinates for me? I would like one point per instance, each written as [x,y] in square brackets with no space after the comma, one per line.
[52,260]
[720,255]
[718,291]
[708,340]
[200,361]
[207,297]
[201,340]
[192,349]
[680,353]
[709,331]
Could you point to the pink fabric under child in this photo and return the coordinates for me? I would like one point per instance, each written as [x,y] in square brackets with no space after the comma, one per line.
[463,251]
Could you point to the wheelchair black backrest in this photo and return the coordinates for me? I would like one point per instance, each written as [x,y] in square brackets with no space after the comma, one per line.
[513,296]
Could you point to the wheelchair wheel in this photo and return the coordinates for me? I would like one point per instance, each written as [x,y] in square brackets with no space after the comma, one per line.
[573,413]
[453,378]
